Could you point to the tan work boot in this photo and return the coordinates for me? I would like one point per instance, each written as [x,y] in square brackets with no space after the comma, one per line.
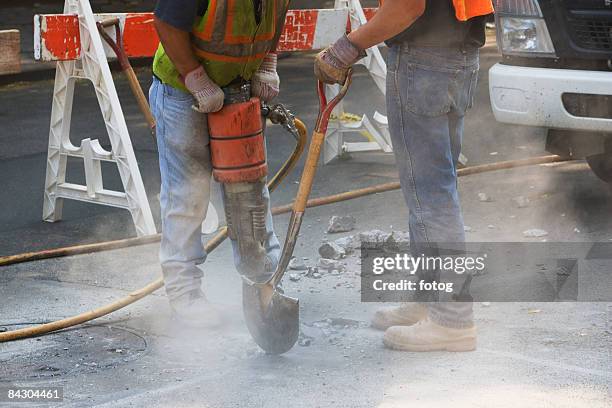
[429,336]
[194,311]
[405,315]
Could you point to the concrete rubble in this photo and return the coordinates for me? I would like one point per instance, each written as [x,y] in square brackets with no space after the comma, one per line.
[349,244]
[331,250]
[341,223]
[297,264]
[521,201]
[330,265]
[535,233]
[484,198]
[374,238]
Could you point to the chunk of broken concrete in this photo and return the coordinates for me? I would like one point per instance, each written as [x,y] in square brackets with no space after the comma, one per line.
[349,244]
[535,233]
[484,198]
[331,250]
[305,341]
[341,223]
[330,264]
[400,237]
[373,238]
[521,201]
[297,264]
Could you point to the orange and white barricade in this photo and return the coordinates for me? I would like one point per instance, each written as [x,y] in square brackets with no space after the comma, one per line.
[376,130]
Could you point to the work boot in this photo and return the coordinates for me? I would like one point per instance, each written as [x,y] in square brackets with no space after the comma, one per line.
[193,310]
[405,315]
[429,336]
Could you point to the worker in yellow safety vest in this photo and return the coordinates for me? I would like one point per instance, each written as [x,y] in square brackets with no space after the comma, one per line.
[209,48]
[432,71]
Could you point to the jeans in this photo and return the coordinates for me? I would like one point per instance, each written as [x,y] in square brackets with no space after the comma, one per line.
[429,90]
[185,166]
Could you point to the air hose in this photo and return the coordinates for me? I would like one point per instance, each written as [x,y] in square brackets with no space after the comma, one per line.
[216,240]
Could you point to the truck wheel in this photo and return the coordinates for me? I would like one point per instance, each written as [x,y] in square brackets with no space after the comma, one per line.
[601,164]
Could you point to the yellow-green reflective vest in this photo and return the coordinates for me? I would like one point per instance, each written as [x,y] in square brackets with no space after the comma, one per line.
[228,41]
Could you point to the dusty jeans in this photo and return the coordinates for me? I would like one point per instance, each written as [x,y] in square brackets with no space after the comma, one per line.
[184,163]
[429,90]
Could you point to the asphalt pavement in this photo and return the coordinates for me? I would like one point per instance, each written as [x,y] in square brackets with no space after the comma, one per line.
[529,354]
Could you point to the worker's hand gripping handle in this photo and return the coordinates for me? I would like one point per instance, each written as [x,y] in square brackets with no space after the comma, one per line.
[318,136]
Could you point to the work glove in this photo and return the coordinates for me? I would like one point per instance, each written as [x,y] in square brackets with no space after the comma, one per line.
[208,95]
[332,64]
[265,81]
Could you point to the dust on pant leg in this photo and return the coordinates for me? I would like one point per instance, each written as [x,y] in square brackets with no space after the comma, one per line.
[184,159]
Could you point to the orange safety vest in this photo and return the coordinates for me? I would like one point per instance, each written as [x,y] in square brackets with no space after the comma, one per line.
[228,41]
[466,9]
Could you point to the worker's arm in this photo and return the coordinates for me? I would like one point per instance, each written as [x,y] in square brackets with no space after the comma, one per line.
[393,17]
[173,21]
[177,45]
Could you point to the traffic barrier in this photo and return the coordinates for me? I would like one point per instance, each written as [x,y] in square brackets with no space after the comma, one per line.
[376,130]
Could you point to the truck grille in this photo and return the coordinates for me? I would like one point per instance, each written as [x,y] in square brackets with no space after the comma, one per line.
[593,34]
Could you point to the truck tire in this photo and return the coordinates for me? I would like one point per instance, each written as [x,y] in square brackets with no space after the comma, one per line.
[601,164]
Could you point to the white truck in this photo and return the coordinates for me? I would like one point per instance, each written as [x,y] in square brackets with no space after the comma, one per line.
[556,73]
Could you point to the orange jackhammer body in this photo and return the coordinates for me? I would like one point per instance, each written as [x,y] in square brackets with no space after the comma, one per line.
[237,144]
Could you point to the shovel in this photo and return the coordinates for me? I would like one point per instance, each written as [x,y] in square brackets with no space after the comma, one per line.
[273,318]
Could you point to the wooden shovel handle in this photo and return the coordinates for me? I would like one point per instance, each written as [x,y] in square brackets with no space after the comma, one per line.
[308,174]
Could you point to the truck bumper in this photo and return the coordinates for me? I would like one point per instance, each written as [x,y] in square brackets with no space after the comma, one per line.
[532,96]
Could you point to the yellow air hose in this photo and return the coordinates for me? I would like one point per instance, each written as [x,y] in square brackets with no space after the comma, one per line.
[217,239]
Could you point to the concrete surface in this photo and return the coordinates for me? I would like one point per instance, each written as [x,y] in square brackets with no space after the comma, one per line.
[529,354]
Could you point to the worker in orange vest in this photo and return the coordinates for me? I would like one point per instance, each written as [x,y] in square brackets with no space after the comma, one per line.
[432,70]
[210,51]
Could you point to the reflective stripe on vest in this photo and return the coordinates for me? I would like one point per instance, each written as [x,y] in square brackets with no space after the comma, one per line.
[228,31]
[466,9]
[228,41]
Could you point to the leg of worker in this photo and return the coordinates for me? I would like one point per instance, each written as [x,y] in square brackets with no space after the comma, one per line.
[462,90]
[419,103]
[184,160]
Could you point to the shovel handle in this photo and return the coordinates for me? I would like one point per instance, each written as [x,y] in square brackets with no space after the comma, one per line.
[306,181]
[318,136]
[310,169]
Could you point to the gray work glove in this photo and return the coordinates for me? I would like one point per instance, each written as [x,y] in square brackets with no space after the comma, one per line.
[208,95]
[332,64]
[265,82]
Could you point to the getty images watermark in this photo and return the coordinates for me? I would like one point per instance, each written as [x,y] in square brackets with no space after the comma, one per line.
[488,272]
[407,264]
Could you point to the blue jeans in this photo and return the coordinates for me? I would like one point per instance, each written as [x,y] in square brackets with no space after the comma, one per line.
[184,163]
[429,90]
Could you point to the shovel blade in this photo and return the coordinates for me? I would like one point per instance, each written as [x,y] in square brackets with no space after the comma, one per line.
[274,328]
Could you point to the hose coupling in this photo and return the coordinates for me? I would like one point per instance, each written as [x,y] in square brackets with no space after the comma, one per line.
[280,115]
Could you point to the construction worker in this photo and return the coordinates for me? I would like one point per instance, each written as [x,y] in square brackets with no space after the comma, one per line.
[206,47]
[432,69]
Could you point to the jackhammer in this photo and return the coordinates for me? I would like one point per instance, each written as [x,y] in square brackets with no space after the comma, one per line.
[238,157]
